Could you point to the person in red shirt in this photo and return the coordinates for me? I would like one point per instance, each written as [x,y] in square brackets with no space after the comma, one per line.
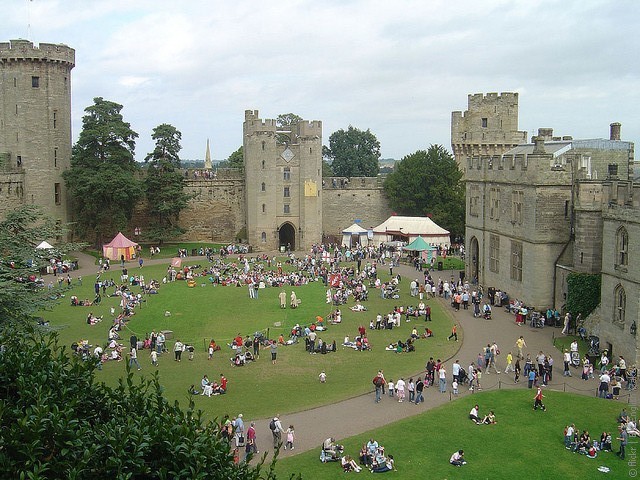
[238,341]
[251,446]
[538,400]
[223,383]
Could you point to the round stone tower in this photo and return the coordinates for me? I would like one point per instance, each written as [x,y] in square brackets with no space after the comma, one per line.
[35,125]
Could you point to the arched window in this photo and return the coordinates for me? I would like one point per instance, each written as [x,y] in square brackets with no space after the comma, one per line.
[619,305]
[622,246]
[263,237]
[263,187]
[287,174]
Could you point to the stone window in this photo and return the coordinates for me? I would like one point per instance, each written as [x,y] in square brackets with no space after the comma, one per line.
[516,261]
[55,157]
[263,144]
[263,187]
[474,200]
[264,208]
[517,199]
[286,209]
[55,119]
[57,194]
[287,174]
[263,237]
[494,203]
[263,164]
[619,305]
[494,253]
[622,246]
[35,82]
[484,123]
[287,192]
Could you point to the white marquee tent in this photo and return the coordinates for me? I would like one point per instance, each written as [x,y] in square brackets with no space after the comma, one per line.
[353,235]
[407,229]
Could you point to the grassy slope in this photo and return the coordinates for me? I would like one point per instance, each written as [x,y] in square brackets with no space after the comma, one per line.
[524,443]
[201,313]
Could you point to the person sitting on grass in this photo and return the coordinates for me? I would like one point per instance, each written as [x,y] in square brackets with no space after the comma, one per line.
[489,419]
[457,459]
[473,414]
[349,464]
[605,442]
[387,466]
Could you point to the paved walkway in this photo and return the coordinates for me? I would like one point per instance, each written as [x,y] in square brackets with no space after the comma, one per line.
[359,414]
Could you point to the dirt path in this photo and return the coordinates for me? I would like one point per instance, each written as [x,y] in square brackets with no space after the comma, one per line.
[359,414]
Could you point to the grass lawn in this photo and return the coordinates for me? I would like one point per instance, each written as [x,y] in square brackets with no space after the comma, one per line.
[204,312]
[524,444]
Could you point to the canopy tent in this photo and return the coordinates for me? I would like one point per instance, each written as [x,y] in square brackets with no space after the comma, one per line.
[44,245]
[419,245]
[119,247]
[353,235]
[407,229]
[427,252]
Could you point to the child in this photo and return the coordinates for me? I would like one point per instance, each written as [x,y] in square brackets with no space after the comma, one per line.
[454,385]
[154,358]
[479,377]
[290,438]
[322,377]
[391,388]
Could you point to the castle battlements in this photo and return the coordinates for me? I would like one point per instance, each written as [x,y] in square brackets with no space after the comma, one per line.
[22,50]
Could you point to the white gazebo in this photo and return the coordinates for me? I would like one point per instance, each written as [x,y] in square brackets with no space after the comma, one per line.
[354,235]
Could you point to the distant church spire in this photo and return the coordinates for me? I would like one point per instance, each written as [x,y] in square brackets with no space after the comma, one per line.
[207,158]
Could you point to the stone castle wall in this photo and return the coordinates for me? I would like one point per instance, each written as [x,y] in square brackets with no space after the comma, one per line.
[344,202]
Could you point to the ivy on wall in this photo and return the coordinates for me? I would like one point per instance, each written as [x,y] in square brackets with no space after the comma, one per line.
[583,293]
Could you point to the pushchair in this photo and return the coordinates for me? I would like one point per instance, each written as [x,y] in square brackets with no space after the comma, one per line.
[537,320]
[575,359]
[463,377]
[594,346]
[331,455]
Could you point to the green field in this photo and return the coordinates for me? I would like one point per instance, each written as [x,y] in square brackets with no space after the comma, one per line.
[204,312]
[524,444]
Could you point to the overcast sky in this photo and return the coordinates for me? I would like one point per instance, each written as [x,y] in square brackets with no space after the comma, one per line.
[396,67]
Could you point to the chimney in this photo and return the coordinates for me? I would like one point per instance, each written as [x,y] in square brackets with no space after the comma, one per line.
[545,133]
[538,145]
[615,131]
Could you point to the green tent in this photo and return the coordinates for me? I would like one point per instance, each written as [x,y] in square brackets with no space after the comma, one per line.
[419,245]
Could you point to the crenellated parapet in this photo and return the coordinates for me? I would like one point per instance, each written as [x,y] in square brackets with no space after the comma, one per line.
[24,50]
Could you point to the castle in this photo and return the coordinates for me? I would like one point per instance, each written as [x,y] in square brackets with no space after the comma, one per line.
[538,211]
[279,200]
[35,126]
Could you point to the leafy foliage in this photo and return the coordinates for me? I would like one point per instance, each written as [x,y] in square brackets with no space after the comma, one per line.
[353,153]
[102,180]
[428,183]
[284,122]
[583,294]
[164,185]
[58,422]
[20,261]
[235,160]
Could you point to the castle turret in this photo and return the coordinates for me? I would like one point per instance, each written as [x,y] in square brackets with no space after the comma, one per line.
[35,125]
[488,127]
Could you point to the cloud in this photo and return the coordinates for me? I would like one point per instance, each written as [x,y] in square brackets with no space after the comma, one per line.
[398,68]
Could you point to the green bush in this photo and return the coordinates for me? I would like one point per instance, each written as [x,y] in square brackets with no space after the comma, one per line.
[58,423]
[583,293]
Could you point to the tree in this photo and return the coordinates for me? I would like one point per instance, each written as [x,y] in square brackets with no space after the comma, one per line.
[20,262]
[102,180]
[164,184]
[236,159]
[284,122]
[353,153]
[428,183]
[59,422]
